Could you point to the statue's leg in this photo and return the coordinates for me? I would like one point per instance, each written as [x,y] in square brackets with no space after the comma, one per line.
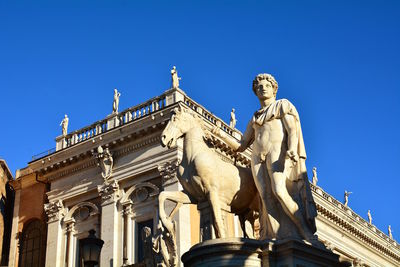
[278,186]
[269,226]
[216,208]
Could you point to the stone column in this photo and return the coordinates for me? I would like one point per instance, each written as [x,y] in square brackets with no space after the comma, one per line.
[70,249]
[54,252]
[128,234]
[110,254]
[14,232]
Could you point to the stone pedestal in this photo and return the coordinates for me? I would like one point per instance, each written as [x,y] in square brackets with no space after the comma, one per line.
[253,253]
[295,253]
[112,121]
[224,252]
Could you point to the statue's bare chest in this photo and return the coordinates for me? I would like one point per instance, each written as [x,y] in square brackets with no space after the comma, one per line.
[268,134]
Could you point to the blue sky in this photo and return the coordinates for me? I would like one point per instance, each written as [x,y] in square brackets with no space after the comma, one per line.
[337,61]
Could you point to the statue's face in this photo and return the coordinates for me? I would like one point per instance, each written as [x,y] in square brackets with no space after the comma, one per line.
[265,90]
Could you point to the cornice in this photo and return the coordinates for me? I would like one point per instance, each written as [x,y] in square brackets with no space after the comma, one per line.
[90,162]
[116,137]
[353,224]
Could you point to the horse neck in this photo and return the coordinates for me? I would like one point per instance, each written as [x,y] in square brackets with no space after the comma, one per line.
[193,142]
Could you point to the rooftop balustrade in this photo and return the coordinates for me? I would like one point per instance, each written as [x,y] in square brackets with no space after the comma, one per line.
[132,114]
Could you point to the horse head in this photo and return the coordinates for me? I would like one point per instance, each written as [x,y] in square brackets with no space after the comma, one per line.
[180,123]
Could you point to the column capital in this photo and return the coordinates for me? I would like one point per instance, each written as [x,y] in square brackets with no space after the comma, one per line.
[168,172]
[109,192]
[54,210]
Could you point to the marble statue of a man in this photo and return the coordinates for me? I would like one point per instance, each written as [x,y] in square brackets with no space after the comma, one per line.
[64,125]
[278,166]
[116,100]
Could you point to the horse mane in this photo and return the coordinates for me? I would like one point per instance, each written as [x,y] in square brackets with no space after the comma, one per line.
[193,117]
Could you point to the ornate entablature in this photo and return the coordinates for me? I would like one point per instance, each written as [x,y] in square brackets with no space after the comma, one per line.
[351,223]
[150,118]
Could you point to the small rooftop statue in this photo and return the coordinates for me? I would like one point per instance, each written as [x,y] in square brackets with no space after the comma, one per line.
[116,101]
[346,197]
[314,177]
[390,232]
[233,120]
[64,125]
[175,78]
[369,217]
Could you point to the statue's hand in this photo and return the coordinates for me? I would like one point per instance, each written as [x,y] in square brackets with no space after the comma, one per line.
[293,156]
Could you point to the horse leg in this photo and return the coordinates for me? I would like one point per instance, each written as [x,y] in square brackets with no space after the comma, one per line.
[242,220]
[216,208]
[179,198]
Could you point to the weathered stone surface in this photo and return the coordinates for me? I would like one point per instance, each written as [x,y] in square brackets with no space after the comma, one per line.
[224,252]
[254,253]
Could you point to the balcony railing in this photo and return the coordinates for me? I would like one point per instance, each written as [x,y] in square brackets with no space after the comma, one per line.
[132,114]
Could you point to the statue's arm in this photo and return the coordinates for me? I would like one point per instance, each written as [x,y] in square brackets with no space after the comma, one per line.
[247,139]
[289,121]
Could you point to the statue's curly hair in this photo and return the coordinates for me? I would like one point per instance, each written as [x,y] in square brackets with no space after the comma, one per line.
[265,76]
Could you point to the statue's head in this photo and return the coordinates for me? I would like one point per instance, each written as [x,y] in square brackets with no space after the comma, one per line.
[146,233]
[262,82]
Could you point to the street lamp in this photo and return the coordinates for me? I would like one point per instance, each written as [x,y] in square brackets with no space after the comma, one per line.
[90,249]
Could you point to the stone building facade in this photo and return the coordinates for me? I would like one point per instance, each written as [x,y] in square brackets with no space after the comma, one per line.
[78,190]
[6,209]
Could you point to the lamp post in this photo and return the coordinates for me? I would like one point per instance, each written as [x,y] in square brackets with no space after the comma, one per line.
[90,249]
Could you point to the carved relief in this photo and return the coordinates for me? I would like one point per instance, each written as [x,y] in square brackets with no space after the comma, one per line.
[81,212]
[105,161]
[54,210]
[109,192]
[140,193]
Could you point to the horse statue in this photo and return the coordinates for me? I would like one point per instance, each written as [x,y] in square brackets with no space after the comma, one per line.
[204,176]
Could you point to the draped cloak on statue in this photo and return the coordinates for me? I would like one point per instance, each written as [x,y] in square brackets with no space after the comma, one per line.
[297,175]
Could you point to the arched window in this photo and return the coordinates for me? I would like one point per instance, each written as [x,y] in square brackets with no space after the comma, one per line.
[32,249]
